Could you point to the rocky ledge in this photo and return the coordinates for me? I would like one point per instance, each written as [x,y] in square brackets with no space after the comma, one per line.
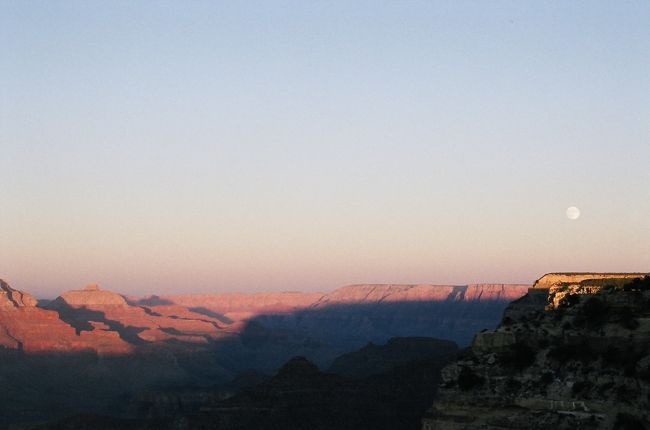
[10,298]
[90,296]
[573,353]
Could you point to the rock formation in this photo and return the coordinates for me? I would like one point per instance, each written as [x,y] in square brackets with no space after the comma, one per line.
[345,319]
[141,326]
[90,296]
[573,353]
[11,299]
[89,349]
[352,315]
[26,327]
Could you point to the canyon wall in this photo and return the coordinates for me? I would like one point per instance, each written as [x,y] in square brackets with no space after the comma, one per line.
[573,353]
[345,319]
[353,315]
[93,350]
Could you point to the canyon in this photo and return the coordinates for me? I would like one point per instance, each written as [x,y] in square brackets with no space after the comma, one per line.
[95,351]
[571,351]
[108,323]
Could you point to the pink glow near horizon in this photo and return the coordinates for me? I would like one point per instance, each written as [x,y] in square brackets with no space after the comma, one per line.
[211,146]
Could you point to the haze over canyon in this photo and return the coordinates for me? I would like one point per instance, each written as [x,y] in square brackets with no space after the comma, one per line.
[94,347]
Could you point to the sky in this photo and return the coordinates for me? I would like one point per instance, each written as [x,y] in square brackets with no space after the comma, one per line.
[186,147]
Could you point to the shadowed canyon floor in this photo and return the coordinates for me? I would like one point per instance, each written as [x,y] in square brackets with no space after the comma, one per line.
[300,396]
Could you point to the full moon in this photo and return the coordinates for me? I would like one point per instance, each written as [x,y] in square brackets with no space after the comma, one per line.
[573,213]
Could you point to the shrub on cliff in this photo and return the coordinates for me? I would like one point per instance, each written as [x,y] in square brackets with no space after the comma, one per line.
[611,356]
[507,321]
[564,352]
[604,388]
[513,385]
[581,388]
[628,422]
[626,318]
[546,379]
[638,284]
[519,356]
[468,379]
[594,313]
[623,358]
[569,300]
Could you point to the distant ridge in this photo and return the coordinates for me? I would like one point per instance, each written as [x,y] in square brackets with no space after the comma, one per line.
[109,323]
[91,346]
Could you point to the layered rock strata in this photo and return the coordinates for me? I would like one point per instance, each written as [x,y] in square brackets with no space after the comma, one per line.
[573,353]
[353,315]
[347,318]
[26,327]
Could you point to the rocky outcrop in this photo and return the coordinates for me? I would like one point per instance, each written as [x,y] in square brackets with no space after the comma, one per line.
[143,327]
[577,359]
[28,328]
[561,285]
[552,280]
[90,296]
[10,298]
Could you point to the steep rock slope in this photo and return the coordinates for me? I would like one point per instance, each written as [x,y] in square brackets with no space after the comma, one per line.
[90,351]
[580,358]
[352,315]
[92,308]
[10,298]
[25,327]
[298,323]
[344,319]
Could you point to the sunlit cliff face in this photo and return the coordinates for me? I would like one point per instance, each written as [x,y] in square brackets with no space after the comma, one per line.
[562,279]
[105,322]
[272,148]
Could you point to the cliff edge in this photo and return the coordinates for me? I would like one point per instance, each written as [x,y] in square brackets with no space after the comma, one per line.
[573,353]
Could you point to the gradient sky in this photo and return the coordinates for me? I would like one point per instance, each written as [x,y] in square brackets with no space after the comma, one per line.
[264,146]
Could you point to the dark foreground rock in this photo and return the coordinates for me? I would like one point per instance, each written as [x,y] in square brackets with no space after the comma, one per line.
[580,359]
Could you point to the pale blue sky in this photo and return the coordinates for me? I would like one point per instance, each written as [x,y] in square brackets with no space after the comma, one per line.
[209,146]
